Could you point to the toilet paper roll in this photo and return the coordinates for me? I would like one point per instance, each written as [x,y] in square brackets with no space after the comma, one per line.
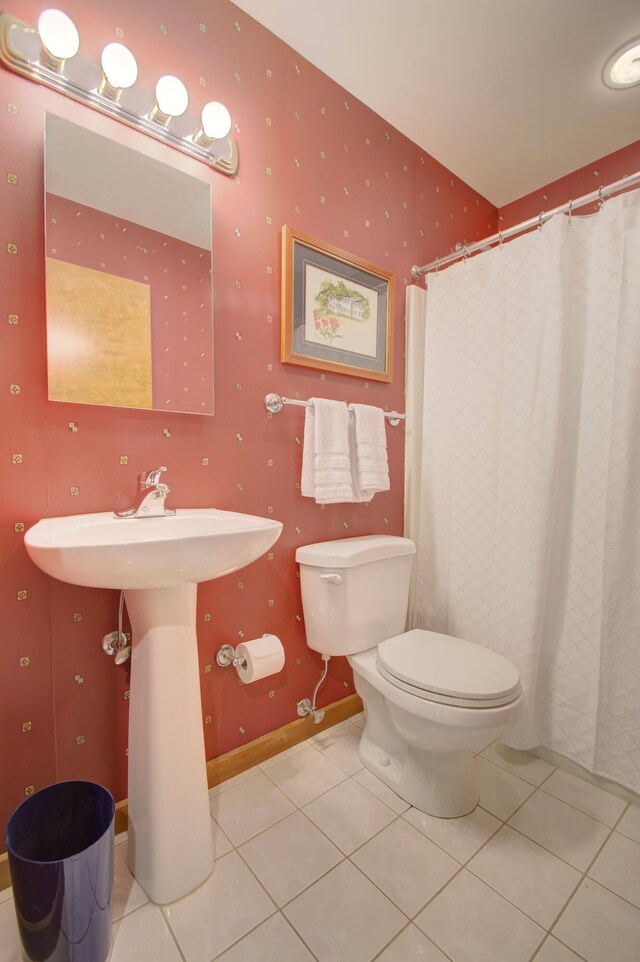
[264,656]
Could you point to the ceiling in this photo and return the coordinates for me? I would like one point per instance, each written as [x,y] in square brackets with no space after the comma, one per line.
[505,93]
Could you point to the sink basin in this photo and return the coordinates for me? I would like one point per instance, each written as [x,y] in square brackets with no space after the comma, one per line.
[159,563]
[195,544]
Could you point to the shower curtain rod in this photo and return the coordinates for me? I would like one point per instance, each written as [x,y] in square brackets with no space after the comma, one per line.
[538,221]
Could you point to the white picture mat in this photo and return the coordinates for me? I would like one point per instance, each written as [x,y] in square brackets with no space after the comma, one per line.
[356,336]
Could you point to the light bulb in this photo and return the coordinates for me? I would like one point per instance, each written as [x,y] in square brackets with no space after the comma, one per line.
[171,96]
[623,68]
[216,120]
[119,66]
[58,34]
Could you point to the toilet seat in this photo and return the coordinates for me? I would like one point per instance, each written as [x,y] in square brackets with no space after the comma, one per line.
[445,669]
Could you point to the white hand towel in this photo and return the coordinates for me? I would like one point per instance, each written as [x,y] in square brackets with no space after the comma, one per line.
[369,464]
[326,465]
[308,479]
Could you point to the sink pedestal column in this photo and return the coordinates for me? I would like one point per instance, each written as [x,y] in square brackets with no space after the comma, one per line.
[170,834]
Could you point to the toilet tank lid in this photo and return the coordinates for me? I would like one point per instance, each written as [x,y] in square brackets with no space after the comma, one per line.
[349,552]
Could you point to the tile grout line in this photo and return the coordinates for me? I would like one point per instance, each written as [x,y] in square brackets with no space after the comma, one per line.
[505,822]
[465,865]
[298,934]
[351,776]
[545,928]
[581,810]
[323,792]
[307,887]
[397,816]
[278,908]
[613,831]
[397,936]
[547,939]
[540,787]
[545,849]
[167,926]
[584,875]
[348,857]
[510,771]
[345,857]
[391,941]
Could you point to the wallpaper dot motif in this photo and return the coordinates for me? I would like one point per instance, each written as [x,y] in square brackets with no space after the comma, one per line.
[325,165]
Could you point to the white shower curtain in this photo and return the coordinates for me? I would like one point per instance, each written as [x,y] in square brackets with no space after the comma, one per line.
[529,508]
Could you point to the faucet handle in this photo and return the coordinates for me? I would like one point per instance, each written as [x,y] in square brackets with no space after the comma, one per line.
[152,478]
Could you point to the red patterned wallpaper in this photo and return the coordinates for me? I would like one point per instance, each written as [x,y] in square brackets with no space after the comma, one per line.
[179,278]
[311,156]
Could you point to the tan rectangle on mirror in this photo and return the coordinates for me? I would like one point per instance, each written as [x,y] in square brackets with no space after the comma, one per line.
[98,337]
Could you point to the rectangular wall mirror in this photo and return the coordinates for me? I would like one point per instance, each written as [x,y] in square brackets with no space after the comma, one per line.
[128,276]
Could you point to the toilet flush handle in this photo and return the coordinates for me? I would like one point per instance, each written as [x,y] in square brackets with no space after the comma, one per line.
[332,577]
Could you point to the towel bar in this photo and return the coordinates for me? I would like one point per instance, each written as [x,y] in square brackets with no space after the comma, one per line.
[274,404]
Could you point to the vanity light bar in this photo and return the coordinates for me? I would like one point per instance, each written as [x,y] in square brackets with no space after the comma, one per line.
[22,50]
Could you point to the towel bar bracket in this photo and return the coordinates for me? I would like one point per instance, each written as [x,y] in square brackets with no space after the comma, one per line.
[273,403]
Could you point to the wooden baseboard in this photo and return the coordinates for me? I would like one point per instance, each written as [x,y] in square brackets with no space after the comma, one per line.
[240,759]
[5,878]
[243,758]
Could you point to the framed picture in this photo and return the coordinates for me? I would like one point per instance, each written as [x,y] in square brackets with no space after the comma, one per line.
[336,309]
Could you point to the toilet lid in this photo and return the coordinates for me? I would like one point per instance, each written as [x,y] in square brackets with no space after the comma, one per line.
[448,667]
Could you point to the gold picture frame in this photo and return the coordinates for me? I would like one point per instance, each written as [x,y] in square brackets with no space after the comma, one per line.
[328,297]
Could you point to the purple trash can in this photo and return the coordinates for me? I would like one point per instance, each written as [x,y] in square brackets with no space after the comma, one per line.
[60,847]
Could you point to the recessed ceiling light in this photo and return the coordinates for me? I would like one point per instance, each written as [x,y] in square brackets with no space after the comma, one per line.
[622,69]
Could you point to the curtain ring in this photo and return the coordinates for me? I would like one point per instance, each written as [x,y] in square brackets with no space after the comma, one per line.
[570,209]
[540,216]
[464,253]
[500,238]
[437,262]
[600,197]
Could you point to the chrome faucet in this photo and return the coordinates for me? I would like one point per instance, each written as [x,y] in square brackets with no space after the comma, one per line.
[153,494]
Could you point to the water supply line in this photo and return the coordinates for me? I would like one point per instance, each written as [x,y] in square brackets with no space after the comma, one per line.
[308,707]
[115,643]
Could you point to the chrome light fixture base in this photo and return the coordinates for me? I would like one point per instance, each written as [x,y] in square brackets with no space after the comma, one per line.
[21,51]
[622,69]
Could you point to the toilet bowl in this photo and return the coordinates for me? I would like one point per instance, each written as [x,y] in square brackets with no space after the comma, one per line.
[421,743]
[431,700]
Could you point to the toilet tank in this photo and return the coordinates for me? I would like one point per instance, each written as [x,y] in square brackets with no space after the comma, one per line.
[355,591]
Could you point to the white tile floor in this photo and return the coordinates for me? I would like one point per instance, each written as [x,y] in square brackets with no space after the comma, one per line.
[317,859]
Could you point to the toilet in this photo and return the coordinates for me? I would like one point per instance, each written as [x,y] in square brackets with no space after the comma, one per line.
[431,700]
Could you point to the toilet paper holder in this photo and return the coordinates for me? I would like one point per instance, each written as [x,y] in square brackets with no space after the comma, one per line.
[226,655]
[254,659]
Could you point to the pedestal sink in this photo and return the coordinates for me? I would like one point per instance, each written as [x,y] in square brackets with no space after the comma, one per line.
[159,562]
